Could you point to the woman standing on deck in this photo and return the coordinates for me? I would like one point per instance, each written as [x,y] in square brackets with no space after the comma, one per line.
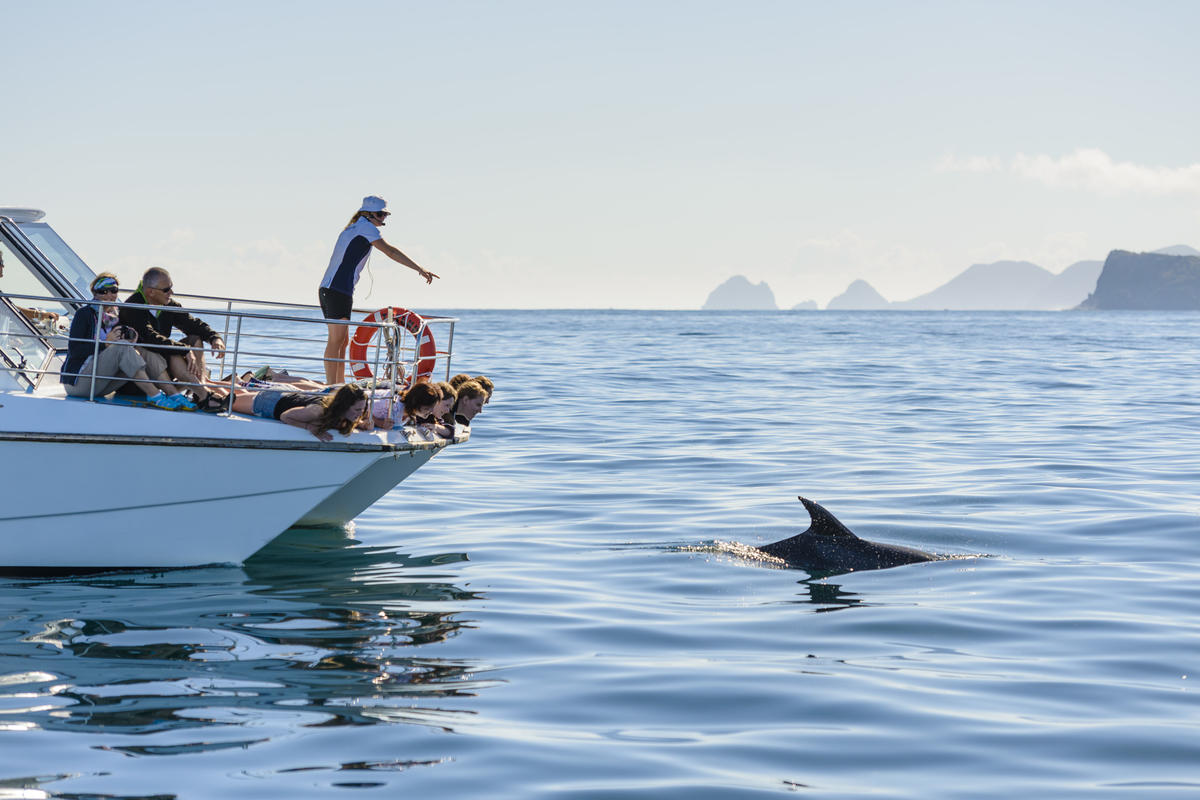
[337,287]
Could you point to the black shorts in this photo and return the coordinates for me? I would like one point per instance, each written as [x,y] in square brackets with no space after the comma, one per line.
[335,304]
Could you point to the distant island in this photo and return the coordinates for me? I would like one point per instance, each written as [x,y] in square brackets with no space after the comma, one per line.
[739,294]
[1010,286]
[859,296]
[1165,279]
[1159,281]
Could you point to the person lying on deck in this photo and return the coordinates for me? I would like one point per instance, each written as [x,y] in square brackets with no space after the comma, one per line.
[484,381]
[487,385]
[444,411]
[345,410]
[265,379]
[471,399]
[420,405]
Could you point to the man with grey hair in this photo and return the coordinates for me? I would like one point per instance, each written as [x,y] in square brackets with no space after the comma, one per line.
[154,325]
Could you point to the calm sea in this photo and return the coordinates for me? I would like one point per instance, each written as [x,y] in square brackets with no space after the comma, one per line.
[550,612]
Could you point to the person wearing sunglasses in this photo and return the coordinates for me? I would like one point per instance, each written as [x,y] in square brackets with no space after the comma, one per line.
[350,254]
[117,361]
[154,326]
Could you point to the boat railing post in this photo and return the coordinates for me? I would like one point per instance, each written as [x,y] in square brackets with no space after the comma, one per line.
[449,348]
[237,339]
[95,352]
[393,372]
[378,341]
[228,315]
[225,338]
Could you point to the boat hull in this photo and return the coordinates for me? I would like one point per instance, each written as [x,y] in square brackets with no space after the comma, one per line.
[116,504]
[365,488]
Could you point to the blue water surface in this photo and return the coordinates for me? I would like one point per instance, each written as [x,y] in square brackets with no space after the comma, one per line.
[552,610]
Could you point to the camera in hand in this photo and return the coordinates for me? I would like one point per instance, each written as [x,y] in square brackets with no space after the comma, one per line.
[128,333]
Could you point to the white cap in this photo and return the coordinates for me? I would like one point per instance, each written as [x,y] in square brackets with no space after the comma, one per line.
[373,203]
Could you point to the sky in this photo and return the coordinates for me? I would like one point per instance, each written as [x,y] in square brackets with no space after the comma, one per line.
[559,154]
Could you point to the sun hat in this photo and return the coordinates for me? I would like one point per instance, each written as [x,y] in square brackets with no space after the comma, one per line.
[373,203]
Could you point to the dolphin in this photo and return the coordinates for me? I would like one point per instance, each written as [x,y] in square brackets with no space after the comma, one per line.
[829,546]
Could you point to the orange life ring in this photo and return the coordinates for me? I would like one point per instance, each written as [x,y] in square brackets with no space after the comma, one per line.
[412,322]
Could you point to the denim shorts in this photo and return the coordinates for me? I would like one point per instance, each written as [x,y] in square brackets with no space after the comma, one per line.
[264,404]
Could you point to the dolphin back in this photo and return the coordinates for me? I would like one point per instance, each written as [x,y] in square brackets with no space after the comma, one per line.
[823,526]
[830,545]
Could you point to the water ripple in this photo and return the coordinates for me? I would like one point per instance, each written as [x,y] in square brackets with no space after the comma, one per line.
[568,606]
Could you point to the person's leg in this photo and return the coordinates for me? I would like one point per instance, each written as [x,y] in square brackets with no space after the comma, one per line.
[156,370]
[82,387]
[335,352]
[336,306]
[131,364]
[180,370]
[108,375]
[196,358]
[243,402]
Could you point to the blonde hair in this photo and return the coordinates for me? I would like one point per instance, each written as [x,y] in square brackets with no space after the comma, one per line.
[357,216]
[468,390]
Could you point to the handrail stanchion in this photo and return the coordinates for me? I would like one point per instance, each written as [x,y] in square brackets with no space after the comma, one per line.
[233,367]
[377,342]
[449,349]
[228,314]
[393,359]
[95,353]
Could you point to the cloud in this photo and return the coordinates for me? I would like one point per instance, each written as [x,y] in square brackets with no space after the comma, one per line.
[1087,168]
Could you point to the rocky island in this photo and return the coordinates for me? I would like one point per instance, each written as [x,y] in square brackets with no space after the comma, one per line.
[1147,282]
[739,294]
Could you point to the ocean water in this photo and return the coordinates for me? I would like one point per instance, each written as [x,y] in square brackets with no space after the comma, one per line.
[557,608]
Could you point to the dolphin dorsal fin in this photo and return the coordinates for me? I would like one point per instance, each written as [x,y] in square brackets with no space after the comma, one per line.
[824,523]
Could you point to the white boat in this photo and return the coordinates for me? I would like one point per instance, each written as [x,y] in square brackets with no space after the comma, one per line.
[103,484]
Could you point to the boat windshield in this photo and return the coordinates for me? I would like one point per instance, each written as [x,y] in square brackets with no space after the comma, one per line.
[22,352]
[59,253]
[17,277]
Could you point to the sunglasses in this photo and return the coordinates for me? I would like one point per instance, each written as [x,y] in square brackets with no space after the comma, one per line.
[105,290]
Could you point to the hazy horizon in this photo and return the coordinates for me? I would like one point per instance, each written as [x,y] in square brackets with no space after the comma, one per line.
[631,155]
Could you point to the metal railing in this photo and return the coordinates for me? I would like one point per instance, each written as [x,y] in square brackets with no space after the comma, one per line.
[390,352]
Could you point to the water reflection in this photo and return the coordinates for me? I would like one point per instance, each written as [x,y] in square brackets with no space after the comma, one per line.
[314,628]
[830,596]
